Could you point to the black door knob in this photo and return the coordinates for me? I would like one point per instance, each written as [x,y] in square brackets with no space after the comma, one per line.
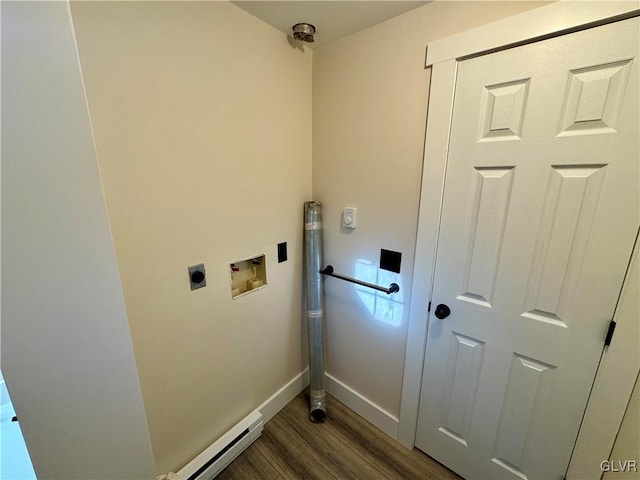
[442,311]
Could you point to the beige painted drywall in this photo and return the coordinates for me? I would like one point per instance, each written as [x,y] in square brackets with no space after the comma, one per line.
[67,355]
[202,121]
[370,93]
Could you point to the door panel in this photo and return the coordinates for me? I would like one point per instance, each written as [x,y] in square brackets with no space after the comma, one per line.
[490,196]
[463,373]
[570,201]
[540,211]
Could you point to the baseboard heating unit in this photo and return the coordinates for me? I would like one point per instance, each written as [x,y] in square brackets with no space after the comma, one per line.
[224,450]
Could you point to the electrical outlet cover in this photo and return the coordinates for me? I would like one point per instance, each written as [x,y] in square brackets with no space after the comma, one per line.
[282,252]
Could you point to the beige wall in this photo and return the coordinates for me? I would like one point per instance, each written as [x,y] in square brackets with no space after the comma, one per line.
[202,121]
[66,348]
[370,94]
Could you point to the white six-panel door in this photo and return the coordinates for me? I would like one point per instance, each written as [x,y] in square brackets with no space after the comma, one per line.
[540,213]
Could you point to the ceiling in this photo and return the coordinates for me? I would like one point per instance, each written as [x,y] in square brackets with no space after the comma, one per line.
[332,19]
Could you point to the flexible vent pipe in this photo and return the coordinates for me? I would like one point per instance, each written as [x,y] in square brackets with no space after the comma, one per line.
[315,315]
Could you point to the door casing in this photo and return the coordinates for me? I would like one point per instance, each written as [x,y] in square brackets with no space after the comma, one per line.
[619,370]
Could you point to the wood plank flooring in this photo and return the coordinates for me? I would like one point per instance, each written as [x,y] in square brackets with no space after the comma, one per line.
[345,447]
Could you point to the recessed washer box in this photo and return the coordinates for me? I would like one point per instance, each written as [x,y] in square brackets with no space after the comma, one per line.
[248,275]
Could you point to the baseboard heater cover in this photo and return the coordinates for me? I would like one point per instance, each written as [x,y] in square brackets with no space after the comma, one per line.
[224,450]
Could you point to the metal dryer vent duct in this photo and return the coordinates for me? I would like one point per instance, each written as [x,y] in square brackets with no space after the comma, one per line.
[304,32]
[315,315]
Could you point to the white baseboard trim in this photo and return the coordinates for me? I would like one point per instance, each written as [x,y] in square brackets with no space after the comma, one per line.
[363,406]
[352,399]
[282,397]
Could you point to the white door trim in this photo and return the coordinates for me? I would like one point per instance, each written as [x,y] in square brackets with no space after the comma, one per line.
[550,21]
[443,55]
[443,79]
[613,385]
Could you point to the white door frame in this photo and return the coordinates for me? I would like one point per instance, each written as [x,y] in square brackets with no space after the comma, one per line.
[619,371]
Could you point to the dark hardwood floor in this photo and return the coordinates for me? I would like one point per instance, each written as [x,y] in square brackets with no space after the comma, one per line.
[346,446]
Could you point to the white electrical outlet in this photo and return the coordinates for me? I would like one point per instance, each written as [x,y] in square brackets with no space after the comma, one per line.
[350,217]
